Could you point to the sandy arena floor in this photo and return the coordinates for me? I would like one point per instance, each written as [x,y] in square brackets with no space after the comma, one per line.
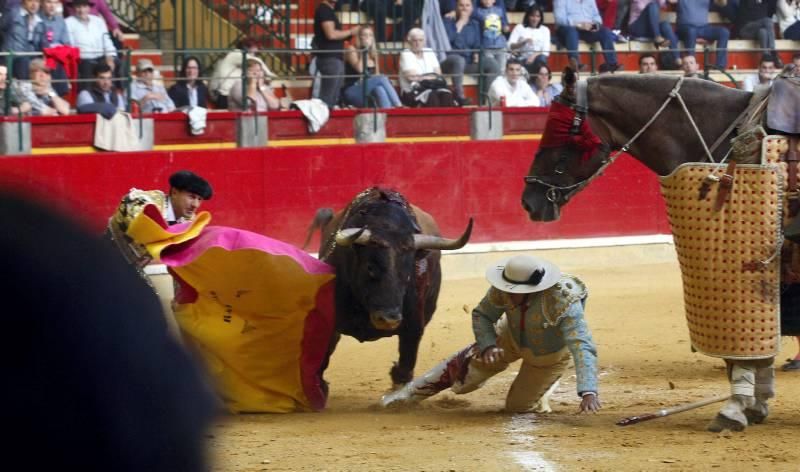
[636,316]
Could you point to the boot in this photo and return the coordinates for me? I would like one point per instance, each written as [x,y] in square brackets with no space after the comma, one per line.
[732,415]
[439,378]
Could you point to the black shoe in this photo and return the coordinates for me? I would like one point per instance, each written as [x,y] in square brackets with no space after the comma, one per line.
[615,67]
[463,101]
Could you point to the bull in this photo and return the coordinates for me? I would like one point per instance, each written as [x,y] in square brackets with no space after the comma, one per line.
[386,253]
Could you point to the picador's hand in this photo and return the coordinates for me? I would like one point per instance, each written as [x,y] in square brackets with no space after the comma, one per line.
[492,355]
[590,403]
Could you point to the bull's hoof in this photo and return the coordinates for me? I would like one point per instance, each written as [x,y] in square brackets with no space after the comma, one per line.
[720,423]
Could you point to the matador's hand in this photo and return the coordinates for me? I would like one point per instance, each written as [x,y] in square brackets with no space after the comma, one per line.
[590,403]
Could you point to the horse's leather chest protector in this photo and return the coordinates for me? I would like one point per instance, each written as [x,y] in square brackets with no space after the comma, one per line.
[729,258]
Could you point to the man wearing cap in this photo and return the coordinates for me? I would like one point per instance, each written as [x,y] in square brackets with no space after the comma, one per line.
[187,191]
[152,96]
[543,325]
[39,92]
[90,34]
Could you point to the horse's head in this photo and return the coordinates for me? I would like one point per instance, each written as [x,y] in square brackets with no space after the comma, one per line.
[569,155]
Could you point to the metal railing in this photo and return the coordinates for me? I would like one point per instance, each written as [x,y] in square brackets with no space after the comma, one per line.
[143,16]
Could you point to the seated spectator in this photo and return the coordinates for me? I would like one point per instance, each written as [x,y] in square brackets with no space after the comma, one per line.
[581,20]
[39,92]
[228,72]
[377,88]
[765,75]
[754,21]
[512,89]
[648,64]
[692,23]
[101,97]
[257,91]
[530,40]
[542,87]
[100,8]
[152,97]
[464,34]
[55,34]
[22,32]
[378,10]
[690,67]
[494,25]
[15,104]
[645,22]
[90,35]
[417,64]
[788,13]
[189,91]
[609,11]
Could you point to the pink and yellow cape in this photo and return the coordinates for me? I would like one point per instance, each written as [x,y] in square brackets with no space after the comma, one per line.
[259,311]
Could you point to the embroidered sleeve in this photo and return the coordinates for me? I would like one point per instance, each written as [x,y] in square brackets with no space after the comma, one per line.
[579,342]
[484,316]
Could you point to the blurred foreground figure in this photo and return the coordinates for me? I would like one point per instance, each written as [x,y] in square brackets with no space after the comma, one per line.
[94,381]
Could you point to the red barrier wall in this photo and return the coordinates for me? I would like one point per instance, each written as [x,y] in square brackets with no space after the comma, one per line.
[276,191]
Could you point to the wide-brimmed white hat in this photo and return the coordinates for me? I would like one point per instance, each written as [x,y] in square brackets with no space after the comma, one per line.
[523,274]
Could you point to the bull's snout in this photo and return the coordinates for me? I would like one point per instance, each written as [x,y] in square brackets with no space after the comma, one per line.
[387,320]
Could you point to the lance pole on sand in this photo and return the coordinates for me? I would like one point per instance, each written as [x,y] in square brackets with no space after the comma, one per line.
[670,411]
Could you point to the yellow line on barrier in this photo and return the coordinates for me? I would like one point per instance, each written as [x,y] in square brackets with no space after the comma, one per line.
[282,142]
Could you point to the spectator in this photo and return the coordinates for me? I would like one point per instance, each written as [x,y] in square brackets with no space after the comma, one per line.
[375,86]
[328,44]
[90,35]
[690,67]
[15,104]
[645,22]
[494,25]
[647,64]
[417,61]
[189,91]
[152,97]
[256,91]
[55,34]
[39,92]
[99,380]
[464,34]
[99,8]
[101,97]
[692,23]
[22,32]
[581,20]
[788,13]
[765,75]
[754,21]
[530,40]
[609,12]
[408,11]
[512,89]
[542,87]
[228,72]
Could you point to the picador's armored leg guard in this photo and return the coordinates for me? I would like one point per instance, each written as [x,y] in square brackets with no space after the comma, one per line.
[732,415]
[459,371]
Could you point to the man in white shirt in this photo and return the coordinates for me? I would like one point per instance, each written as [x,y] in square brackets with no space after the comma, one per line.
[89,33]
[765,75]
[513,88]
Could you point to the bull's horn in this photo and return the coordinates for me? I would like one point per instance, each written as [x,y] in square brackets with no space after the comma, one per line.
[348,237]
[426,241]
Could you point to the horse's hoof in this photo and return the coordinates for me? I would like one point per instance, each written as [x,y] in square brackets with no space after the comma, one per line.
[720,423]
[755,416]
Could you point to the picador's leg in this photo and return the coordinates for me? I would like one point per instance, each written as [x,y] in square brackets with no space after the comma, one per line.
[403,370]
[765,389]
[460,371]
[742,376]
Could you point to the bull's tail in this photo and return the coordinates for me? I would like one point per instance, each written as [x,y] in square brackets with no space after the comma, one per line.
[321,218]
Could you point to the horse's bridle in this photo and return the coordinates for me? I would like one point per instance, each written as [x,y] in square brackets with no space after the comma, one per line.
[581,109]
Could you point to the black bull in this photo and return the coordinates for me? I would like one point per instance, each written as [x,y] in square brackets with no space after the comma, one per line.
[387,258]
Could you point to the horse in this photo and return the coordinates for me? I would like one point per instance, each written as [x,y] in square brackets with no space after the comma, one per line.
[663,122]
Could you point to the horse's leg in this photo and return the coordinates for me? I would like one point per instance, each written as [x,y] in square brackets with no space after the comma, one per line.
[742,376]
[765,389]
